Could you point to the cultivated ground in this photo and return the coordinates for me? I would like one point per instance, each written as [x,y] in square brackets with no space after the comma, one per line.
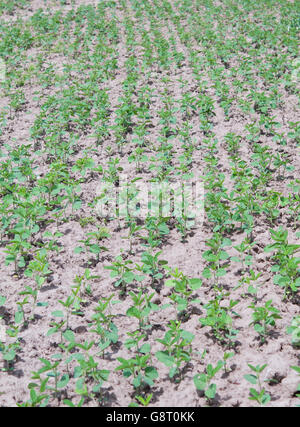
[124,309]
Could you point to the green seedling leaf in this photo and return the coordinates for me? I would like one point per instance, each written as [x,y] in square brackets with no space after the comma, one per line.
[251,378]
[165,358]
[211,391]
[200,381]
[195,284]
[63,382]
[57,313]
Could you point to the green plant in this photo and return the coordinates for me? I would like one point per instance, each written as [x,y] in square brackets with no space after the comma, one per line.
[260,395]
[137,367]
[219,319]
[122,272]
[141,308]
[178,351]
[203,381]
[294,331]
[286,265]
[183,289]
[144,401]
[93,242]
[103,323]
[152,265]
[263,317]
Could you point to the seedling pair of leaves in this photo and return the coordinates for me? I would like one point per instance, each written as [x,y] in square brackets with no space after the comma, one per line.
[152,265]
[142,373]
[287,265]
[103,323]
[294,331]
[90,245]
[125,275]
[86,371]
[142,307]
[178,350]
[263,317]
[203,381]
[51,368]
[72,305]
[260,395]
[214,256]
[183,289]
[218,318]
[144,401]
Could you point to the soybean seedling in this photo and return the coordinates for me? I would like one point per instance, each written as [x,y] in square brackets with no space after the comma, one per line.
[133,228]
[286,264]
[144,401]
[121,271]
[297,369]
[103,323]
[183,289]
[142,373]
[294,330]
[178,349]
[93,242]
[263,317]
[141,308]
[260,395]
[226,356]
[203,381]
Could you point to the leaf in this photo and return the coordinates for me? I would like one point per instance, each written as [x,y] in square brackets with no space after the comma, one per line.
[19,317]
[170,283]
[206,273]
[195,284]
[78,250]
[251,378]
[181,304]
[265,398]
[187,336]
[76,205]
[95,249]
[221,272]
[296,368]
[223,255]
[128,277]
[145,348]
[80,387]
[51,331]
[57,313]
[42,304]
[133,312]
[69,403]
[69,335]
[9,355]
[226,242]
[137,381]
[172,371]
[258,328]
[200,381]
[151,372]
[165,358]
[211,391]
[63,381]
